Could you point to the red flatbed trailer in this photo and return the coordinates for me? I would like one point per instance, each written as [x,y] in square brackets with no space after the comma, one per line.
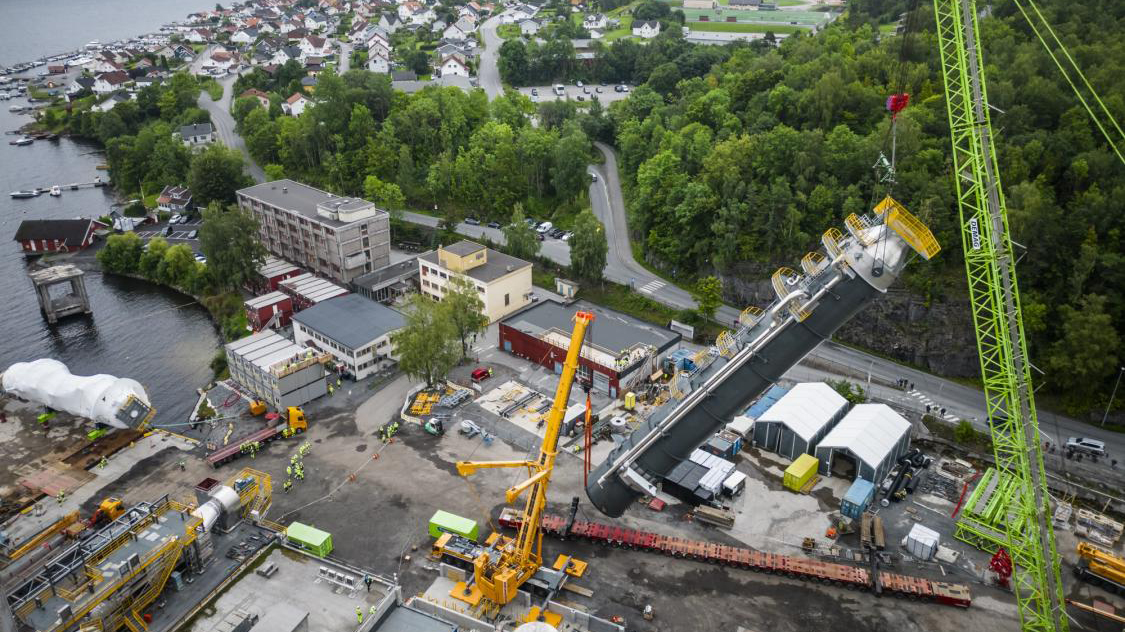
[233,451]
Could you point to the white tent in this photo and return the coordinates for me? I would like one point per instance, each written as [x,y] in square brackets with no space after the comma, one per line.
[797,422]
[922,542]
[872,435]
[96,397]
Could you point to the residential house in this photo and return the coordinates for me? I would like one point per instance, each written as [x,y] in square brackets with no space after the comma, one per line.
[220,60]
[313,65]
[260,58]
[403,75]
[295,104]
[113,101]
[245,36]
[56,235]
[197,135]
[646,28]
[313,46]
[390,22]
[174,199]
[438,26]
[519,12]
[285,54]
[452,49]
[451,66]
[289,26]
[378,63]
[198,36]
[316,21]
[109,82]
[80,85]
[461,30]
[594,21]
[106,63]
[262,97]
[308,84]
[529,27]
[151,79]
[415,13]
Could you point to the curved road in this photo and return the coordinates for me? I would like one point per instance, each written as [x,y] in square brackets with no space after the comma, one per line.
[224,125]
[489,75]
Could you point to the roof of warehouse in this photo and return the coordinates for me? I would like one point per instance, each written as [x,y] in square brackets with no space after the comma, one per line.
[611,331]
[870,431]
[496,265]
[806,408]
[259,302]
[352,320]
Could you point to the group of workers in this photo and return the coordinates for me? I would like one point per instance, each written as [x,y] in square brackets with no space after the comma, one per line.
[359,613]
[251,448]
[296,467]
[388,431]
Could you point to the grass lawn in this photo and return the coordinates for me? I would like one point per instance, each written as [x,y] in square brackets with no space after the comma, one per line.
[782,3]
[213,88]
[735,27]
[508,31]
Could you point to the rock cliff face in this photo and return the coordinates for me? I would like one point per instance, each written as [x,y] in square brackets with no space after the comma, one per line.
[937,336]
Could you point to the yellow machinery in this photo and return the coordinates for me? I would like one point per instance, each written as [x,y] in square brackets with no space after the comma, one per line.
[509,562]
[296,417]
[1099,566]
[107,512]
[257,407]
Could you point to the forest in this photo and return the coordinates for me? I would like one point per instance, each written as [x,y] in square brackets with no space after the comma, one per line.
[742,168]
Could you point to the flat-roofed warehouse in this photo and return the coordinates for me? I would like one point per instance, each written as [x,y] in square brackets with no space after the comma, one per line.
[620,350]
[278,371]
[797,421]
[865,444]
[355,330]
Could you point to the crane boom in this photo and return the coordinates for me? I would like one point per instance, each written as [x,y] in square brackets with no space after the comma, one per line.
[994,295]
[498,573]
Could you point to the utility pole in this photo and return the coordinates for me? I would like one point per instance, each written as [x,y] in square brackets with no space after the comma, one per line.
[1112,395]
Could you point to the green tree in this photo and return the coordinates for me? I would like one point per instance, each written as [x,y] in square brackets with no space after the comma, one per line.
[149,262]
[178,267]
[243,106]
[854,393]
[275,172]
[588,247]
[464,309]
[229,240]
[215,174]
[427,346]
[122,253]
[385,194]
[519,237]
[1085,356]
[571,155]
[708,295]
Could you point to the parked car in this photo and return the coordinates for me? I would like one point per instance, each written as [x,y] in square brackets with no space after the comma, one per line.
[586,90]
[567,236]
[557,232]
[617,89]
[535,92]
[598,89]
[472,221]
[1089,446]
[531,222]
[540,236]
[544,227]
[578,83]
[494,224]
[580,98]
[175,219]
[593,177]
[193,234]
[168,230]
[480,373]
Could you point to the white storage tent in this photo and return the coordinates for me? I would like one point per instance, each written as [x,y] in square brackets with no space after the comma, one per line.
[871,438]
[800,419]
[105,399]
[922,542]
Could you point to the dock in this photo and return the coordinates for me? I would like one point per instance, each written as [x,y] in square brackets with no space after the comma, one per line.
[55,307]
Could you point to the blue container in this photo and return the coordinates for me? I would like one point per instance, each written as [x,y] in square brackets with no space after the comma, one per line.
[857,499]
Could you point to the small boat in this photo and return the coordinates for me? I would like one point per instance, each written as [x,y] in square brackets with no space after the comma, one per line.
[102,167]
[24,193]
[98,181]
[22,141]
[73,186]
[56,191]
[15,108]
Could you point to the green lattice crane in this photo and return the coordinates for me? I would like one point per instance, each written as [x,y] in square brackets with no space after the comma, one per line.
[1005,369]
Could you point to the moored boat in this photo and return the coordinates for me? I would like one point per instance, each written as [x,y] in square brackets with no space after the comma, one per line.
[25,193]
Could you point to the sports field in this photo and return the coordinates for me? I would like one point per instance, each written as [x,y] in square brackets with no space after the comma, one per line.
[736,27]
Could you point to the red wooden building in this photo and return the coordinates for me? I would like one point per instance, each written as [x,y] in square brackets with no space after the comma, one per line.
[274,271]
[261,310]
[37,236]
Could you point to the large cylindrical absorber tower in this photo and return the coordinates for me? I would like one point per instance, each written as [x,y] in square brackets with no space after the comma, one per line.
[810,307]
[223,508]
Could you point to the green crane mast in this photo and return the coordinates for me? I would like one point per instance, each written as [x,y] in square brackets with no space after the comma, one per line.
[1005,369]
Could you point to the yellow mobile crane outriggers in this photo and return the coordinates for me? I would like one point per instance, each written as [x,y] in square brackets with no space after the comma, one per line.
[504,566]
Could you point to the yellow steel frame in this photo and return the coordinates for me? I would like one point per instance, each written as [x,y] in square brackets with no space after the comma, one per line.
[910,228]
[499,576]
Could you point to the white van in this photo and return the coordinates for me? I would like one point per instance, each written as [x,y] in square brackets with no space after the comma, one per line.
[544,227]
[560,90]
[1089,446]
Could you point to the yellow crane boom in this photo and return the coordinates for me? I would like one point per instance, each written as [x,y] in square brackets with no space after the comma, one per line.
[510,562]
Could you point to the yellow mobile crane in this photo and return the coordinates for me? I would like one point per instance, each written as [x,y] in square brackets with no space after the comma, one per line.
[507,563]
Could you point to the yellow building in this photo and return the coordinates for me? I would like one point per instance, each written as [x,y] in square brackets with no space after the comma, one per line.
[503,281]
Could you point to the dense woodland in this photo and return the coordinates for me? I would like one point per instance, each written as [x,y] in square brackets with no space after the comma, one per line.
[743,168]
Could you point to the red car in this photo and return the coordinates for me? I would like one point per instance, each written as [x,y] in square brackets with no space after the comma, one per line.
[481,374]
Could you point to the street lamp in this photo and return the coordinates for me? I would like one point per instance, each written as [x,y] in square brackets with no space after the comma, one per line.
[1112,395]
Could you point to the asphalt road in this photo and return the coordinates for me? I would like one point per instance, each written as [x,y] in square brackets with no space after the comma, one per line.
[554,249]
[345,56]
[489,75]
[224,125]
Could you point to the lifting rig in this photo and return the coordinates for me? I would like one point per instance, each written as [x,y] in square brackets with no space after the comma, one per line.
[1005,369]
[508,562]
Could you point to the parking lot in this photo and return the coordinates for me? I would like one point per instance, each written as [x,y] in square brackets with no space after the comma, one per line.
[180,232]
[547,93]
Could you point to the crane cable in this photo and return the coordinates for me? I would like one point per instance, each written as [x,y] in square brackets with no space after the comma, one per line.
[1066,75]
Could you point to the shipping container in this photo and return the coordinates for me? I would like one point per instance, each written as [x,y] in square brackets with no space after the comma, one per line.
[734,484]
[311,539]
[800,472]
[857,498]
[445,522]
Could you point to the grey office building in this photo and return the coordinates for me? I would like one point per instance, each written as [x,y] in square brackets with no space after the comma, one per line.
[339,238]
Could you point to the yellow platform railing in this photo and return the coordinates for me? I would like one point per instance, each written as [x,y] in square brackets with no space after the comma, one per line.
[910,228]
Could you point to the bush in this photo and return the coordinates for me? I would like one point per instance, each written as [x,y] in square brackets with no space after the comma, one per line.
[964,433]
[136,209]
[219,364]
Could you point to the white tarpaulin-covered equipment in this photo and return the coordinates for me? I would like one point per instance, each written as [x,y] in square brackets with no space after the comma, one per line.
[922,542]
[105,399]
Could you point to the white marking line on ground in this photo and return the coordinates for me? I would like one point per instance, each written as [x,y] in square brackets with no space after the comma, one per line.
[652,286]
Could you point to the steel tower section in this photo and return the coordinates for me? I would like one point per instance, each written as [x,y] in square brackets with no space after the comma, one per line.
[1005,370]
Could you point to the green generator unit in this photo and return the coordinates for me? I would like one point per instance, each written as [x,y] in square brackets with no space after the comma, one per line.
[445,522]
[311,539]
